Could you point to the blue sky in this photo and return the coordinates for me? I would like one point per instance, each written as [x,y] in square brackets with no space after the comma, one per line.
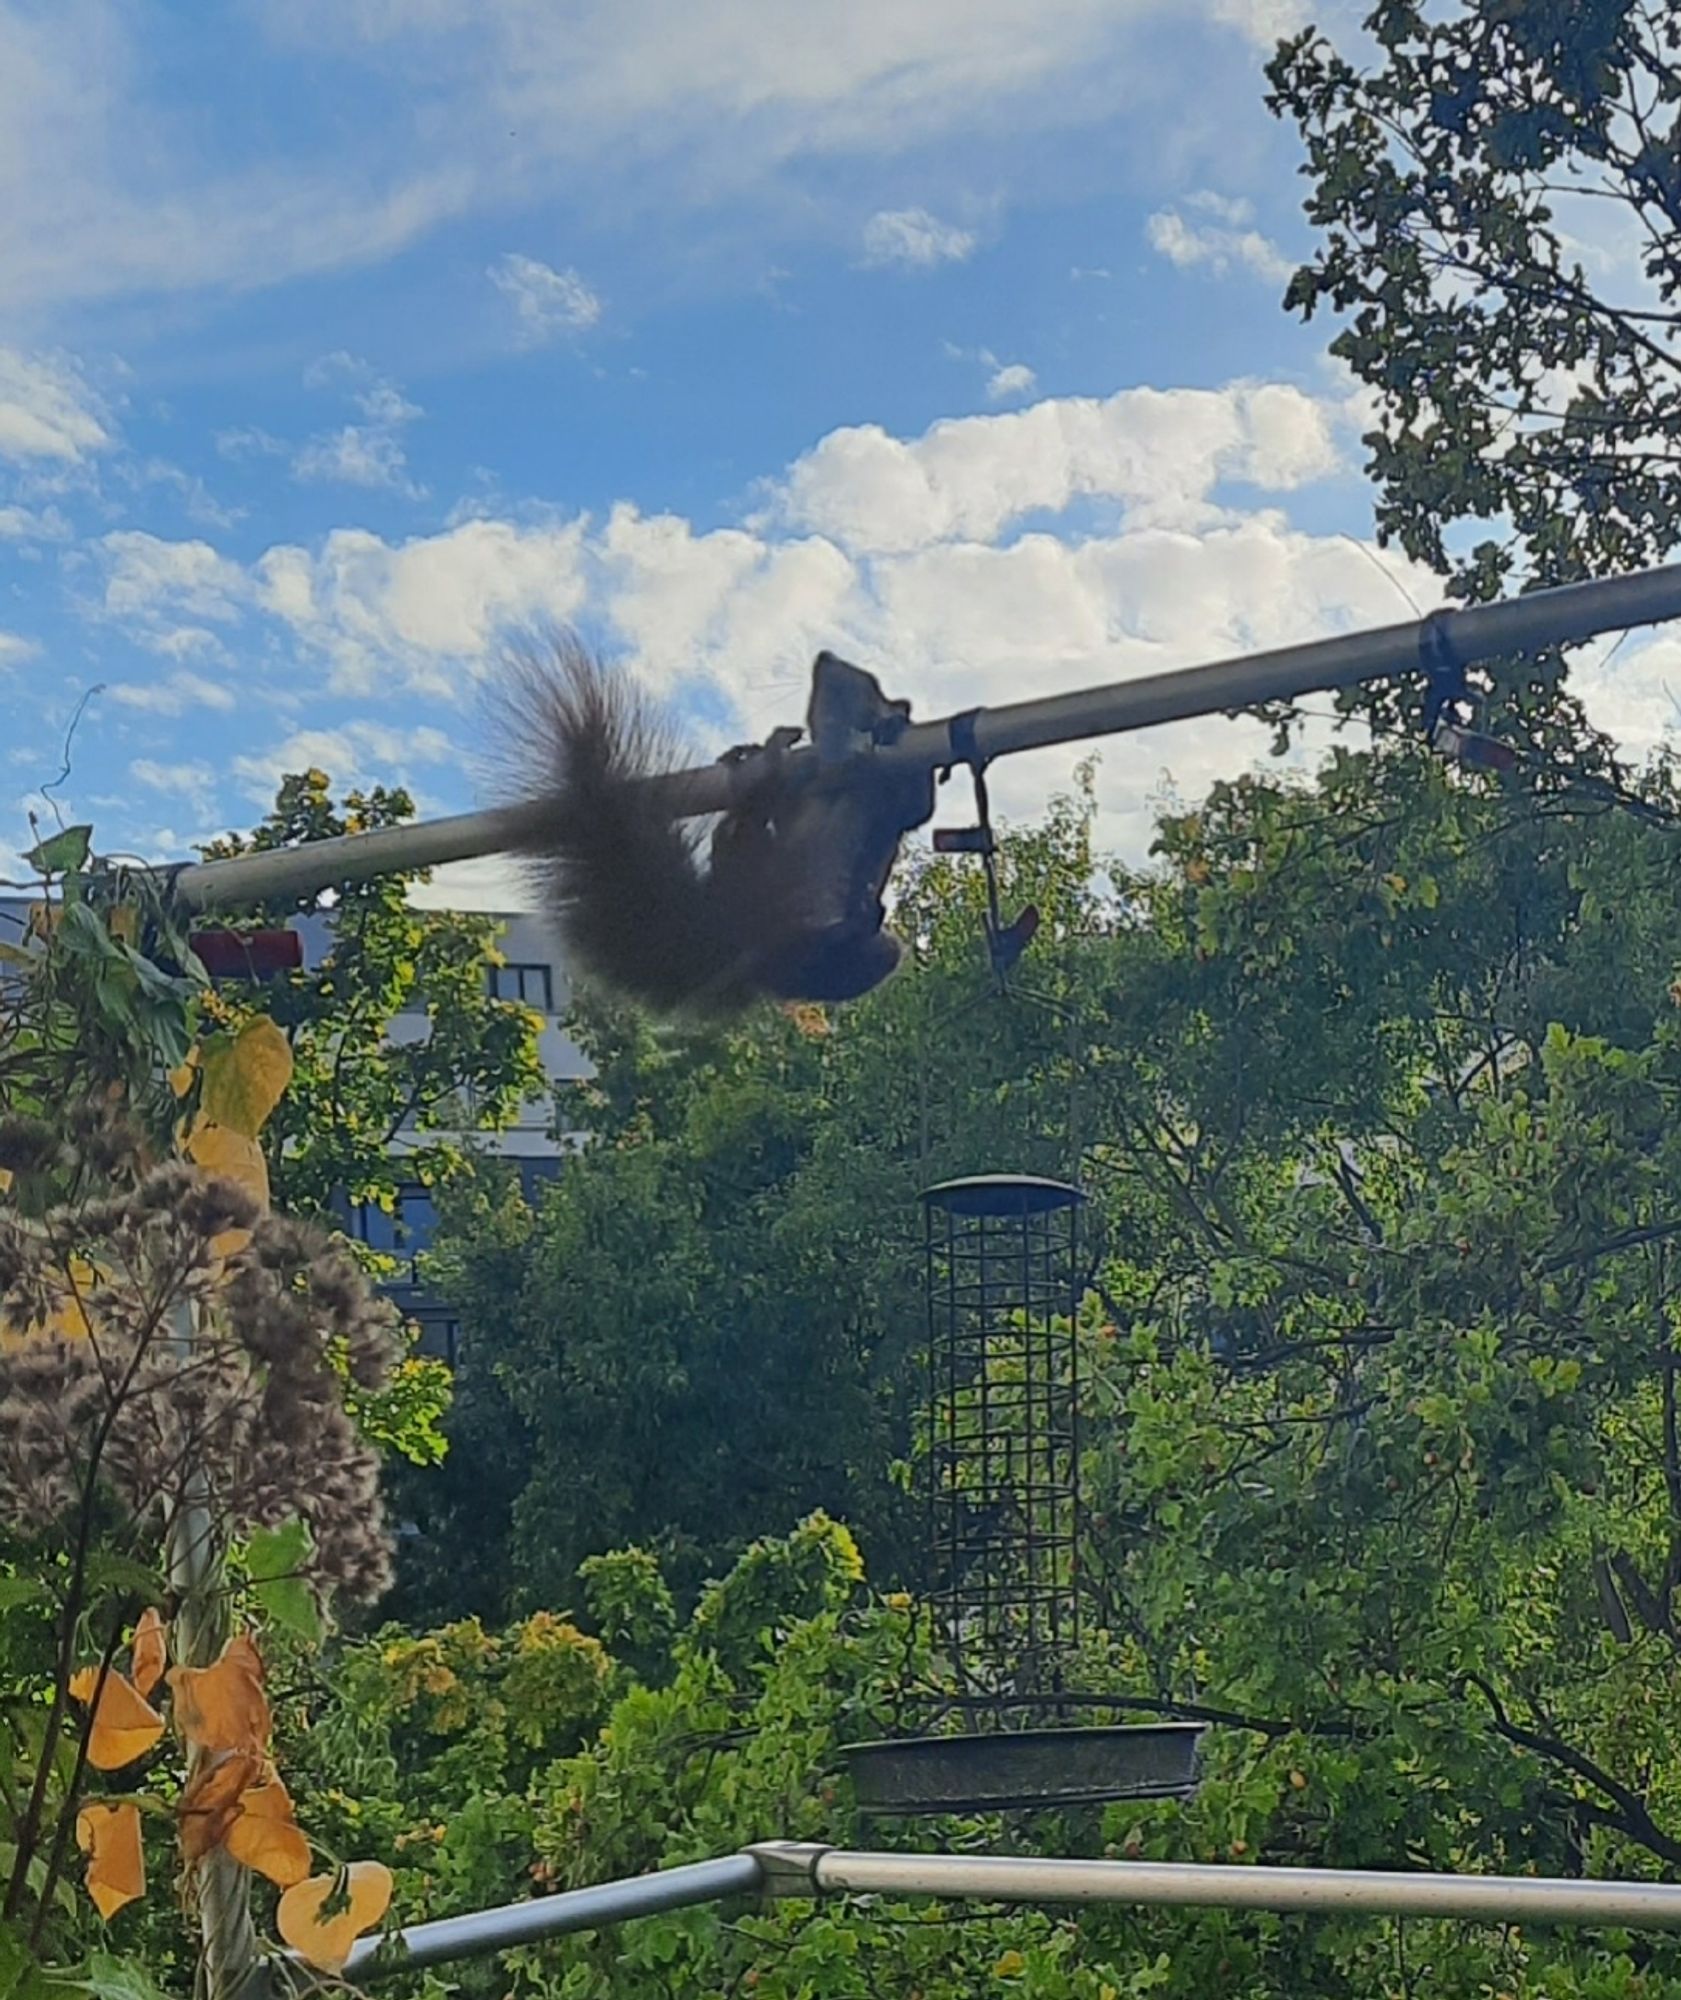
[337,337]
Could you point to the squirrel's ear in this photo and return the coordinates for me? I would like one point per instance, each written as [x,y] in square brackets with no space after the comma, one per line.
[848,711]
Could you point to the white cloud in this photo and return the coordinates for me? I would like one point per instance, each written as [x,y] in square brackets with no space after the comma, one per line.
[1218,245]
[654,107]
[426,609]
[190,782]
[147,577]
[1266,22]
[546,302]
[491,883]
[1158,453]
[175,694]
[895,552]
[355,755]
[913,237]
[23,524]
[47,409]
[250,441]
[370,453]
[1015,378]
[15,649]
[357,455]
[107,189]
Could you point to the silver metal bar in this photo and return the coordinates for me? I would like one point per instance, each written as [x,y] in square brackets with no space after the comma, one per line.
[1562,616]
[483,1931]
[786,1868]
[1478,632]
[1491,1899]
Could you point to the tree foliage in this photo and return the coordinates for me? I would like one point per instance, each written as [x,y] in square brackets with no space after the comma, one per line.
[1373,1082]
[711,1323]
[368,1107]
[1499,213]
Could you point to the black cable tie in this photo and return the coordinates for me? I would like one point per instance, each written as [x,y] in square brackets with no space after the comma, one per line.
[1443,669]
[965,746]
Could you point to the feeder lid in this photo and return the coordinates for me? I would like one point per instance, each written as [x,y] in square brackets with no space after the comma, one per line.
[1002,1194]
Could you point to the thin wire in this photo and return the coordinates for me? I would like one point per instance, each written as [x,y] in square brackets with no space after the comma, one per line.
[52,786]
[1371,557]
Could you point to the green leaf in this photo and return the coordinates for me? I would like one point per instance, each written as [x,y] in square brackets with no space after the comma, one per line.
[118,1979]
[123,1574]
[65,853]
[275,1559]
[16,1590]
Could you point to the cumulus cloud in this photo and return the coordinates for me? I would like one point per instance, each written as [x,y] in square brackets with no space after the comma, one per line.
[899,552]
[15,648]
[428,608]
[47,410]
[546,303]
[913,237]
[1226,243]
[149,577]
[1158,453]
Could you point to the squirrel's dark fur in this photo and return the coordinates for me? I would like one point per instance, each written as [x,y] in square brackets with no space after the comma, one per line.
[785,901]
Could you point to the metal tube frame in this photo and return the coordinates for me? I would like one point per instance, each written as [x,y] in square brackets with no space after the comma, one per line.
[801,1870]
[1563,616]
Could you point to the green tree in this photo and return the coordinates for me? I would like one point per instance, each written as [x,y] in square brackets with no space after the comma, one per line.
[711,1322]
[1376,1091]
[367,1108]
[1528,400]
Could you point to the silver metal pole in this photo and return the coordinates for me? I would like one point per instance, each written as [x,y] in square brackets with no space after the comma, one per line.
[1479,632]
[484,1931]
[1490,1899]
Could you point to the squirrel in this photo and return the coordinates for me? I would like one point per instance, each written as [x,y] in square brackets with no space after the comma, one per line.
[786,903]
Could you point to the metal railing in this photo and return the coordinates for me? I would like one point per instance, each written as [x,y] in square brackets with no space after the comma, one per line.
[797,1869]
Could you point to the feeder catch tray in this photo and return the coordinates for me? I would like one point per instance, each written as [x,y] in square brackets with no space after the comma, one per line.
[1027,1768]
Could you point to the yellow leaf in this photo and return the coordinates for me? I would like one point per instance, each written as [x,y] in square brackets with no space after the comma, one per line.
[110,1837]
[223,1707]
[151,1653]
[246,1076]
[266,1835]
[325,1942]
[209,1806]
[124,922]
[181,1080]
[1011,1965]
[125,1725]
[229,1155]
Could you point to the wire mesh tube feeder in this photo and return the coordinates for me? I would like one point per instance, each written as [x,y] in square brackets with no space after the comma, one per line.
[1002,1464]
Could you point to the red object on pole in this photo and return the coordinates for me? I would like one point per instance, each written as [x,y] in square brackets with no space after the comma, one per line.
[248,954]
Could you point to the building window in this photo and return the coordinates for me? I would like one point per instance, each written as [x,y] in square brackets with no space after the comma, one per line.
[406,1230]
[440,1339]
[528,983]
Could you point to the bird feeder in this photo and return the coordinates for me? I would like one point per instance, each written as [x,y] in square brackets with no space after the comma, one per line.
[1001,1462]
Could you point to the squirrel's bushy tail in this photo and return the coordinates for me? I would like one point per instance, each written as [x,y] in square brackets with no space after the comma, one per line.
[621,880]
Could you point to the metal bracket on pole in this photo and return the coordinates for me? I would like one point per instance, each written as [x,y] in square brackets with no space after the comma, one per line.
[789,1867]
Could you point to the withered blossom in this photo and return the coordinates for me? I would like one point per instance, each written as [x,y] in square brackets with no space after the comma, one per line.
[250,1402]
